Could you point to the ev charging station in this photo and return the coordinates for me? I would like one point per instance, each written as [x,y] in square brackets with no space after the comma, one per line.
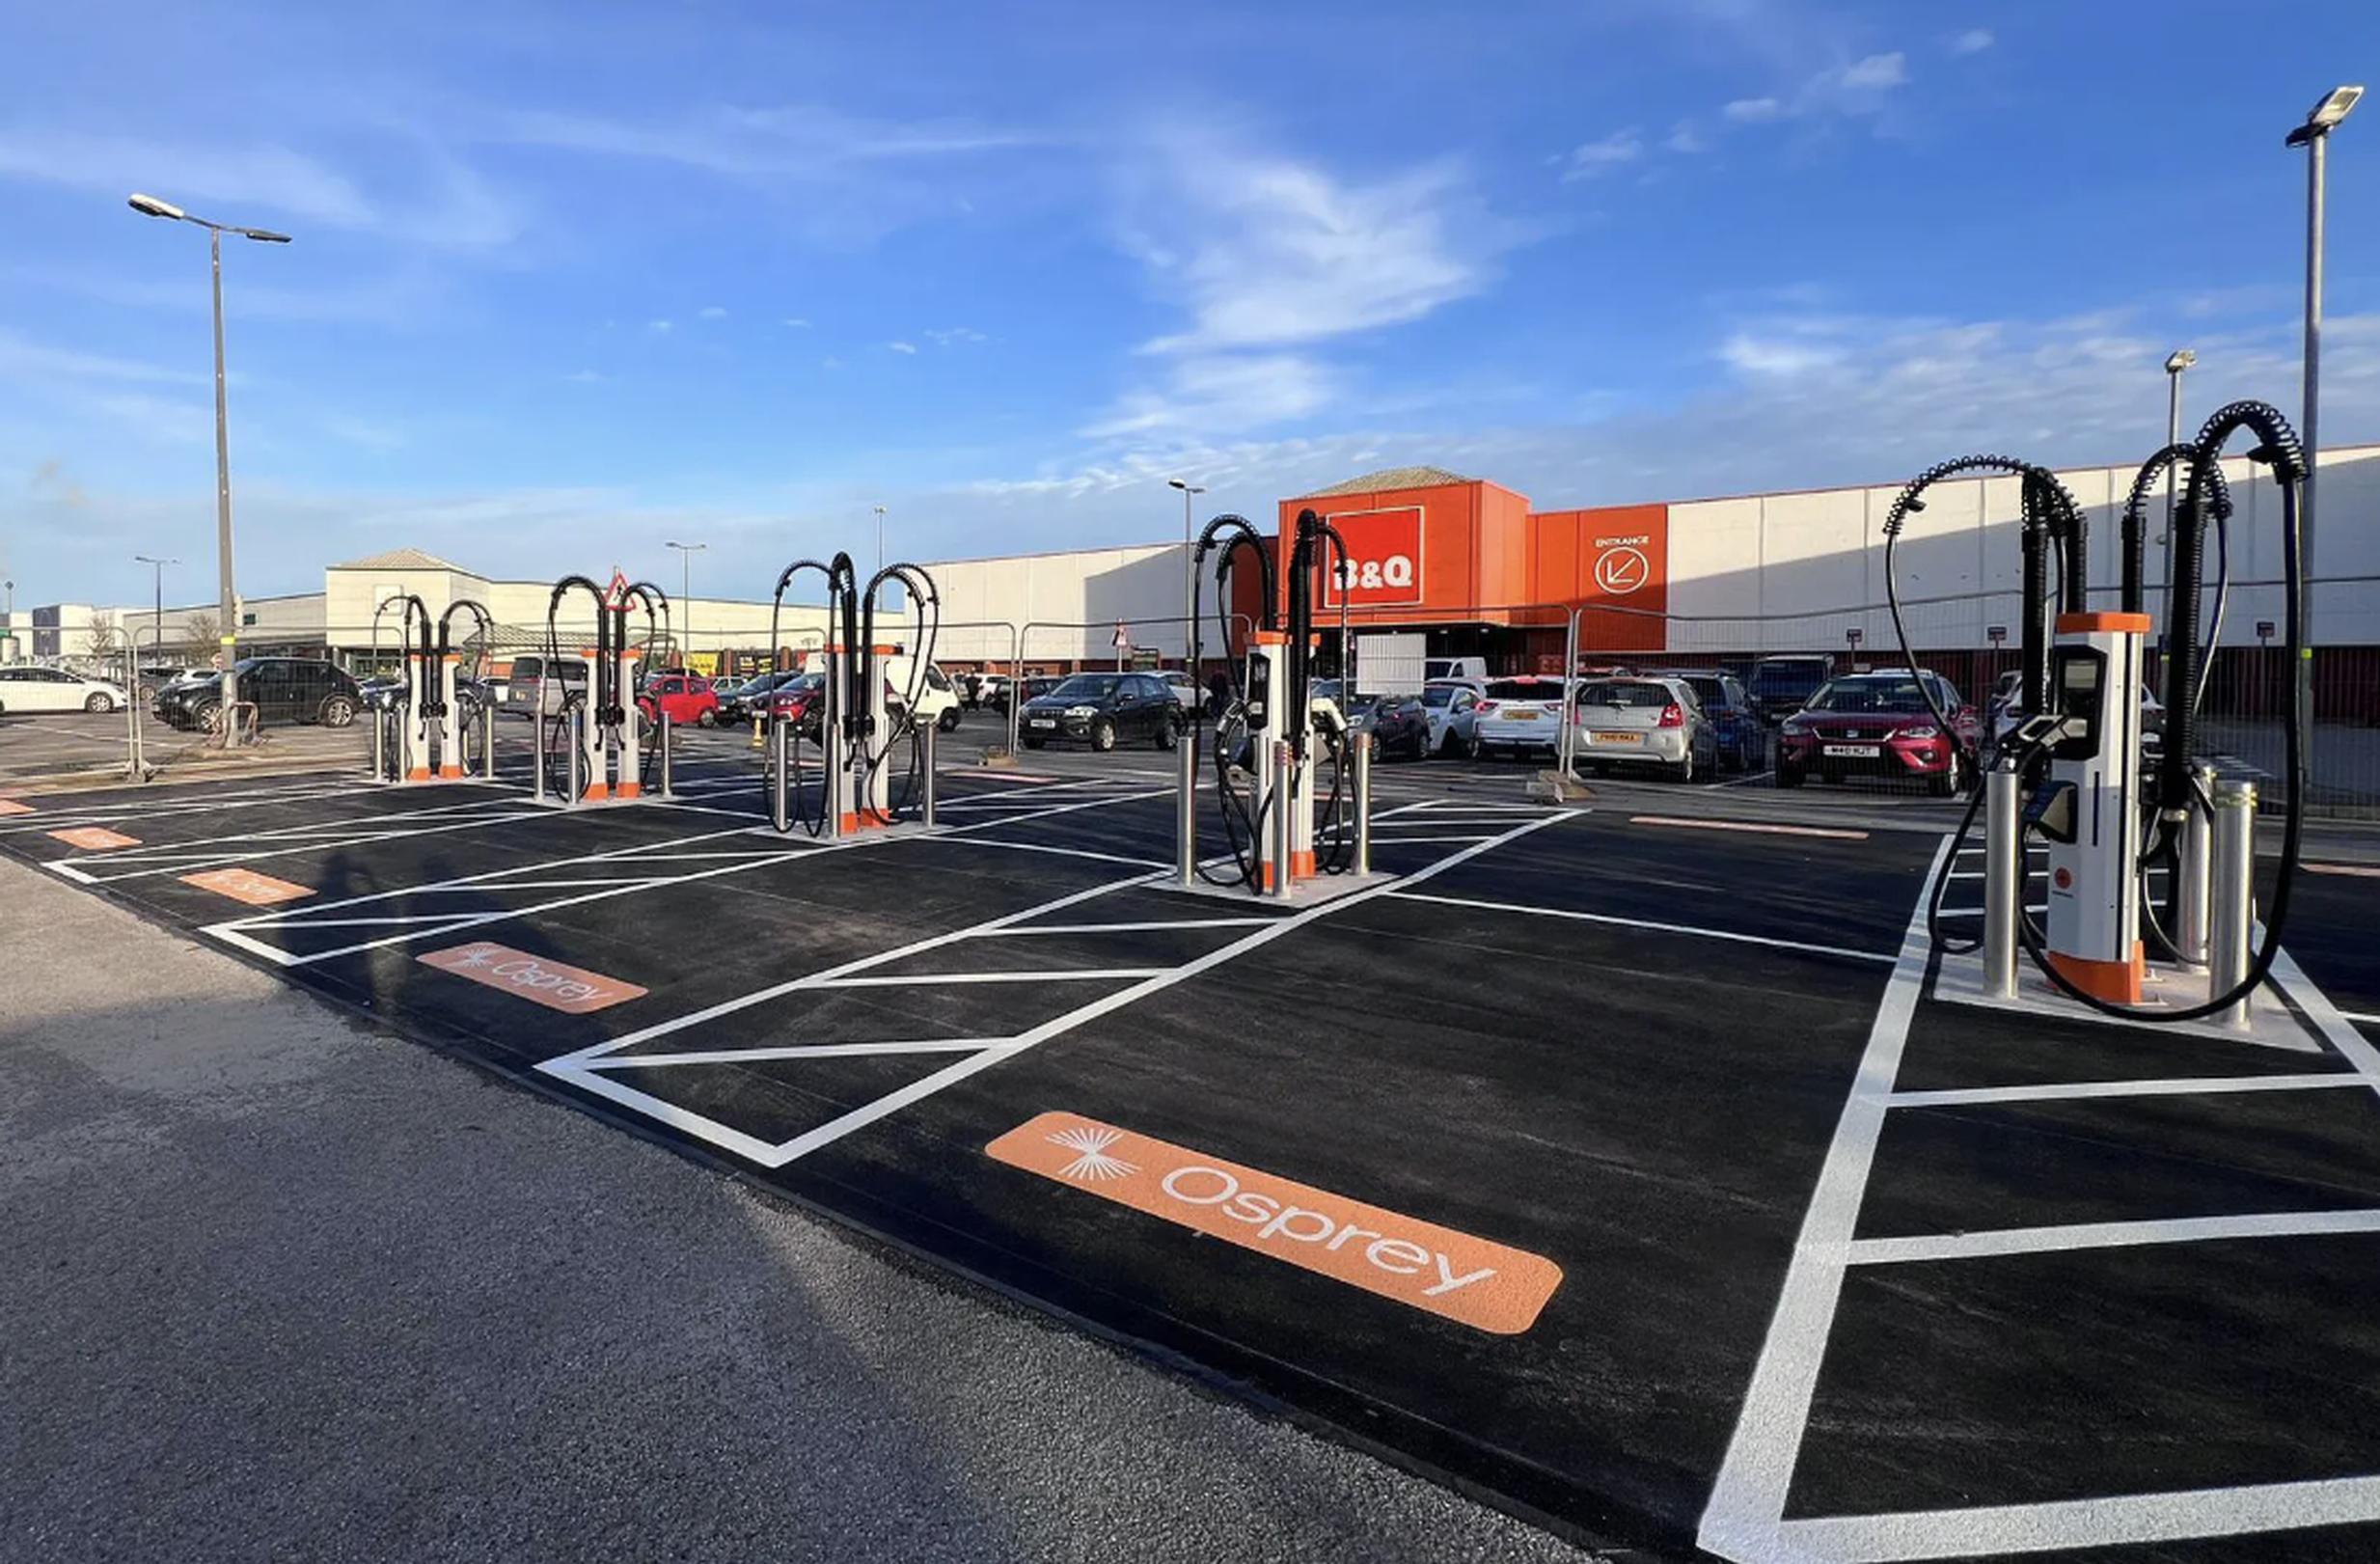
[420,738]
[2073,779]
[1270,823]
[859,733]
[599,728]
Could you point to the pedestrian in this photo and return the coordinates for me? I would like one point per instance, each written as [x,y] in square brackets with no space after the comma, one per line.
[1219,693]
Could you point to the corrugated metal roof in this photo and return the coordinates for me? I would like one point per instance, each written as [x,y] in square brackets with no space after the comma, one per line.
[401,559]
[1393,477]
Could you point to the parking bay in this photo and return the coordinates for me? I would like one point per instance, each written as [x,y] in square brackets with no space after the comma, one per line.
[1613,1045]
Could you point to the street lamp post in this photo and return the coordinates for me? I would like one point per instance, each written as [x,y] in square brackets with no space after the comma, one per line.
[2314,135]
[686,553]
[880,537]
[156,619]
[227,604]
[1190,570]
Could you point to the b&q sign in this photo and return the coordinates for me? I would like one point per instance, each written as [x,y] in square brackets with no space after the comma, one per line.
[1383,562]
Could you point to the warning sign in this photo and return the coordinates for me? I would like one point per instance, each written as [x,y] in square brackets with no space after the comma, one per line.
[1482,1284]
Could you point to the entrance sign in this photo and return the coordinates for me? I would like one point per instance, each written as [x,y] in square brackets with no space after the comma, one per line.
[1383,565]
[573,990]
[1482,1284]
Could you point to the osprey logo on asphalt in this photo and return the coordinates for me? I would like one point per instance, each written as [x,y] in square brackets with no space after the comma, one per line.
[550,983]
[1485,1285]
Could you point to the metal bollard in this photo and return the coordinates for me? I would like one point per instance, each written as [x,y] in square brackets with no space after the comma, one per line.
[578,755]
[487,741]
[537,755]
[2003,882]
[1363,802]
[380,745]
[926,736]
[2233,900]
[2190,894]
[1284,818]
[667,727]
[1185,807]
[780,813]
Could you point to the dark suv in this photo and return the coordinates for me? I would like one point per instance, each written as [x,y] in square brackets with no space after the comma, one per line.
[1780,686]
[1103,710]
[283,689]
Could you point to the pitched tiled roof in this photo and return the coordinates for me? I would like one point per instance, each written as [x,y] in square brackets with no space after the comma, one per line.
[1393,477]
[401,559]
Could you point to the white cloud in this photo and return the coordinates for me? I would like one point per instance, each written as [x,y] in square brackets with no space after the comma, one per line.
[1592,158]
[1776,356]
[1685,137]
[1875,73]
[1753,110]
[658,326]
[1974,40]
[588,378]
[796,322]
[956,335]
[31,363]
[750,142]
[829,363]
[902,347]
[1266,252]
[711,311]
[1222,394]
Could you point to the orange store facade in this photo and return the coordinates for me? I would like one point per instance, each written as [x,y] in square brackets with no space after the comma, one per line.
[1471,566]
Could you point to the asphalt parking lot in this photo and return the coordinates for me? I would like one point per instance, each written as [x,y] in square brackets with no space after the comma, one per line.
[67,743]
[1622,1164]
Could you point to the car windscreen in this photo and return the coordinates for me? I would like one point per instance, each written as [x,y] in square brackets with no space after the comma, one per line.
[1626,693]
[1710,692]
[1086,687]
[1525,690]
[1788,677]
[1853,695]
[1438,694]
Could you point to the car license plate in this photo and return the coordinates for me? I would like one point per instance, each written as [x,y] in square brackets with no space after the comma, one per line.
[1041,721]
[1607,736]
[1854,752]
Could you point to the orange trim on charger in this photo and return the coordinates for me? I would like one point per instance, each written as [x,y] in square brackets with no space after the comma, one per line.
[2117,982]
[2082,624]
[1267,638]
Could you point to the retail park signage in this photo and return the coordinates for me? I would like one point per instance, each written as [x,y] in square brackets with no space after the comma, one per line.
[541,981]
[1383,564]
[1485,1285]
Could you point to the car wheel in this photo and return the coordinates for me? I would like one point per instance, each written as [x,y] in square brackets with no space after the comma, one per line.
[949,721]
[1102,735]
[1035,743]
[1683,770]
[1165,738]
[707,719]
[1789,776]
[98,701]
[205,715]
[338,711]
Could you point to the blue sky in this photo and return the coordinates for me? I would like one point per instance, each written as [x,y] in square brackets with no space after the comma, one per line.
[572,280]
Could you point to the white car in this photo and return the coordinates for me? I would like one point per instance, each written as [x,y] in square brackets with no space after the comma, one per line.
[1453,710]
[1519,716]
[1652,720]
[27,688]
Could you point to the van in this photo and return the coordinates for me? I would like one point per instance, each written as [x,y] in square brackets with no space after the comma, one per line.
[526,691]
[1437,669]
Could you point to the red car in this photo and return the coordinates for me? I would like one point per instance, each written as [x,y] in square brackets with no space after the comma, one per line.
[688,697]
[1877,724]
[797,701]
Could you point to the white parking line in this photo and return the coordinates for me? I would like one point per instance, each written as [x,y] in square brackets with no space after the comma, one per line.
[1648,923]
[2167,1087]
[1757,827]
[2099,1235]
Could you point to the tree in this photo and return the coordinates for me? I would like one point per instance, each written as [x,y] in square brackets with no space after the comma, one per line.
[199,633]
[99,634]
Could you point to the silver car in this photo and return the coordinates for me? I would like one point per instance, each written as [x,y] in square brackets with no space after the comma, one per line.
[1647,722]
[1453,710]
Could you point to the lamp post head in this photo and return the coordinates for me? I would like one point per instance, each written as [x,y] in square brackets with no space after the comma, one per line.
[2181,361]
[2336,105]
[262,235]
[152,206]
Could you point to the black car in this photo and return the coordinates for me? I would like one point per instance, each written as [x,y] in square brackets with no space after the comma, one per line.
[1781,686]
[1039,684]
[283,690]
[1399,725]
[1743,738]
[1103,710]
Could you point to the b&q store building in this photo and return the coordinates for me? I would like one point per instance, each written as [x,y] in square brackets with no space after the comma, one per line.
[1472,567]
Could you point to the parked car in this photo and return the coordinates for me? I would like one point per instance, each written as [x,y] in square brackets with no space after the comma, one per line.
[283,690]
[29,688]
[686,698]
[1520,714]
[1743,738]
[1652,721]
[1186,691]
[746,699]
[1438,669]
[937,704]
[382,692]
[1399,725]
[1453,712]
[1877,724]
[1780,686]
[2004,716]
[1103,710]
[1033,687]
[529,690]
[796,698]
